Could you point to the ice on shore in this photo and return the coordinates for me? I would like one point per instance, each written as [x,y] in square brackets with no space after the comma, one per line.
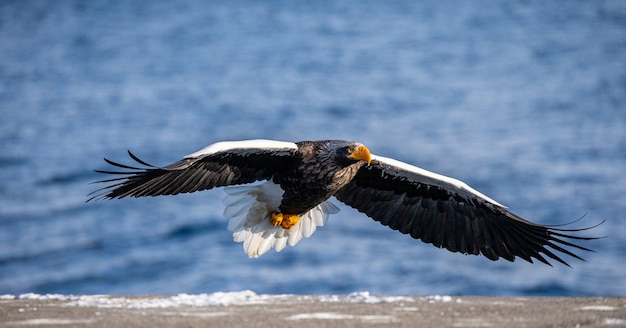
[114,301]
[214,299]
[364,297]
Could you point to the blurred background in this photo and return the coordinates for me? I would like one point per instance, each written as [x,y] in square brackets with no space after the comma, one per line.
[523,100]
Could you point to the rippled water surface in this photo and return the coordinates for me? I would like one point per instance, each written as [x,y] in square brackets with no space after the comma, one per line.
[525,101]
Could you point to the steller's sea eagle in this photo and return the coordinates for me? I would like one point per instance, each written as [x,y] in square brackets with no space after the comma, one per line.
[297,180]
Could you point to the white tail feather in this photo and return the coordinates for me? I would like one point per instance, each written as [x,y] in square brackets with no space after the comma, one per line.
[249,209]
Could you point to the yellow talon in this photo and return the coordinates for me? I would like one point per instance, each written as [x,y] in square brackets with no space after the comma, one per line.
[276,219]
[289,220]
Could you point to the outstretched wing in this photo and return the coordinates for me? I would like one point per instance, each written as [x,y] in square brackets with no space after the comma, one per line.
[220,164]
[449,214]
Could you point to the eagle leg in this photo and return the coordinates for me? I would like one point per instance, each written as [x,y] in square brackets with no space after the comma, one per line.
[285,220]
[276,218]
[289,220]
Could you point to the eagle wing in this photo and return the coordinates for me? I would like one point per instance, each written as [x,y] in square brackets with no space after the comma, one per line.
[220,164]
[450,214]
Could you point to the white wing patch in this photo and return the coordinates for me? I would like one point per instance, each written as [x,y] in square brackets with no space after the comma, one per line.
[436,179]
[243,145]
[249,209]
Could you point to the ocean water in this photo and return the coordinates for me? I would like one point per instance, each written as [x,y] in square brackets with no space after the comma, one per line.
[525,101]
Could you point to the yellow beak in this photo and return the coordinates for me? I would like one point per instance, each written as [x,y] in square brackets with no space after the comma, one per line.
[361,153]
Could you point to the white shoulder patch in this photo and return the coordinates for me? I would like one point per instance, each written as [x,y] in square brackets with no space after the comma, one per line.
[436,179]
[255,144]
[249,208]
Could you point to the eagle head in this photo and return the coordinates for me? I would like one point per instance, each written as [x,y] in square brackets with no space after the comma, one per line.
[348,153]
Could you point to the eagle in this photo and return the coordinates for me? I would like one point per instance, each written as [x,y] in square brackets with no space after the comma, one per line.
[278,192]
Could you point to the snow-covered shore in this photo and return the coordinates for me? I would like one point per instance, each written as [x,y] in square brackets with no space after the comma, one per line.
[246,308]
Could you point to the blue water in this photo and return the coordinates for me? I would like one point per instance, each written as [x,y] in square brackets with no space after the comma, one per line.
[525,101]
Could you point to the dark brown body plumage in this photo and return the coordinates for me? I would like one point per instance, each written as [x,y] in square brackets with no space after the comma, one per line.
[314,177]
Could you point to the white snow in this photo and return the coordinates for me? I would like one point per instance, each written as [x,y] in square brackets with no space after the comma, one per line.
[321,315]
[614,321]
[597,308]
[217,299]
[438,298]
[364,297]
[341,316]
[110,301]
[50,322]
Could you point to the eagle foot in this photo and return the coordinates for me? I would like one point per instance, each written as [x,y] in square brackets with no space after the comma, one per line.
[276,218]
[287,221]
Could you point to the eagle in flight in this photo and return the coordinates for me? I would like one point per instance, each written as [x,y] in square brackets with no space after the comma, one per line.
[278,192]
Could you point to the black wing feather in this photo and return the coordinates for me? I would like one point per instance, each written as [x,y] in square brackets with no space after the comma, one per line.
[193,174]
[447,217]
